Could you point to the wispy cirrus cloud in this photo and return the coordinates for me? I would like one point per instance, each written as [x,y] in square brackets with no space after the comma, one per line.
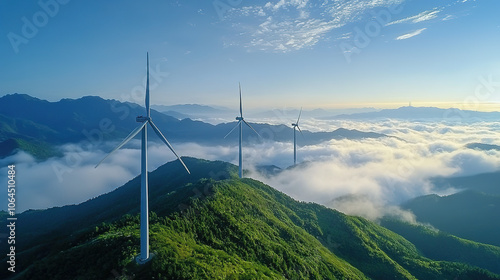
[284,3]
[291,25]
[411,34]
[287,35]
[448,17]
[288,25]
[424,16]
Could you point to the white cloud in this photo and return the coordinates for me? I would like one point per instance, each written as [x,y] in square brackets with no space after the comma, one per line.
[297,24]
[290,25]
[424,16]
[370,209]
[344,12]
[386,171]
[449,17]
[68,180]
[411,34]
[287,35]
[298,4]
[74,179]
[345,36]
[383,171]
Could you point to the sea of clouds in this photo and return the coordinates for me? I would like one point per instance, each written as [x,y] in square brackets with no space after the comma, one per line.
[367,177]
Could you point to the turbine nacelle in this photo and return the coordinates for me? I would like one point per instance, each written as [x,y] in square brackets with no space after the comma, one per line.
[239,118]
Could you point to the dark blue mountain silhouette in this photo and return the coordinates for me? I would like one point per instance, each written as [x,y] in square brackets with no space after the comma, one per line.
[95,120]
[423,113]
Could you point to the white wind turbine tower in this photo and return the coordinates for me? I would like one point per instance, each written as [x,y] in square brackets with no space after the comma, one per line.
[145,120]
[295,127]
[240,121]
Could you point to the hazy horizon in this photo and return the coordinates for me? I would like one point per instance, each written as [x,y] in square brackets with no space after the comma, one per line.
[476,106]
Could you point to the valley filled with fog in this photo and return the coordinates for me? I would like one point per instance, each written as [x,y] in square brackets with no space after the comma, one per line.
[376,174]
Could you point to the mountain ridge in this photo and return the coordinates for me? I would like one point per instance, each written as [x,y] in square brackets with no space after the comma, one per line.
[94,120]
[213,225]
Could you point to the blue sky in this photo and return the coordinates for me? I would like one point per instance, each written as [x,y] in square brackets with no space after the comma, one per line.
[285,53]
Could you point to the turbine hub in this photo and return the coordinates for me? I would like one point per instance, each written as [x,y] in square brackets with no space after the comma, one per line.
[239,118]
[142,119]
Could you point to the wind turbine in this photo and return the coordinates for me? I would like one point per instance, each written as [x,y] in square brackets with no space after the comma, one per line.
[295,127]
[145,120]
[240,125]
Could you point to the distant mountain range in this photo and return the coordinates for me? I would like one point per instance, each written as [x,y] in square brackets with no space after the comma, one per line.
[193,111]
[469,214]
[423,113]
[196,111]
[291,114]
[42,124]
[213,225]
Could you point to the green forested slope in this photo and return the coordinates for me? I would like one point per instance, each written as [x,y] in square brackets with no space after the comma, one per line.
[229,229]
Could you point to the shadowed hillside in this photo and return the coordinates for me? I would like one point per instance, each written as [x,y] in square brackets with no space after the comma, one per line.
[469,214]
[213,225]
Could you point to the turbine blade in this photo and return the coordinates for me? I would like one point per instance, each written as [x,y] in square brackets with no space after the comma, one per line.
[130,136]
[147,88]
[158,132]
[300,131]
[241,106]
[252,128]
[299,116]
[232,129]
